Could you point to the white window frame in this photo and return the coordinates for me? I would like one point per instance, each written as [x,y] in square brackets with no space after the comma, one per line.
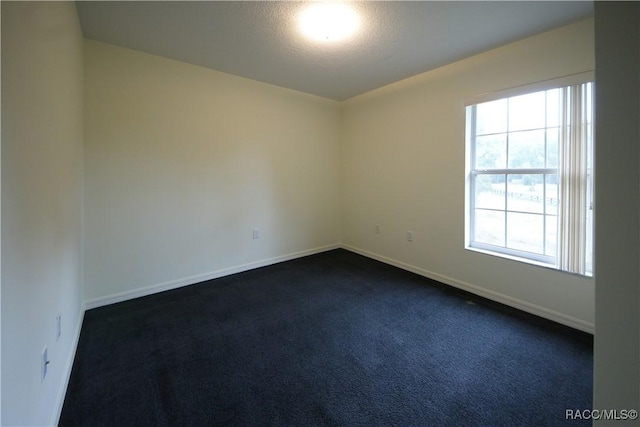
[504,252]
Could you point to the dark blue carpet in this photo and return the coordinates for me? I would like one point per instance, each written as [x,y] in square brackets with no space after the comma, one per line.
[329,339]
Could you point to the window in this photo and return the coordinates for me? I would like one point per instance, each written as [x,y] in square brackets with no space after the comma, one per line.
[530,174]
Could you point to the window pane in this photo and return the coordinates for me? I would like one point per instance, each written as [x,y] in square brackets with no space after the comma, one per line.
[589,225]
[551,235]
[553,152]
[490,191]
[491,117]
[589,242]
[589,131]
[588,128]
[551,196]
[553,107]
[526,149]
[527,111]
[588,88]
[525,193]
[524,232]
[491,151]
[489,227]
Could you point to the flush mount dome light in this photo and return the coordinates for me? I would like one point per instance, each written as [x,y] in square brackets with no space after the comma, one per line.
[328,21]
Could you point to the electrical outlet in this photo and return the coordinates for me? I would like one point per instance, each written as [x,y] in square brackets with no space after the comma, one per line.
[45,363]
[376,229]
[256,233]
[409,236]
[58,326]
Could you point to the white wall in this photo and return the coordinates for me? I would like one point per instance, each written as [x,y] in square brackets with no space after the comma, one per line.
[41,204]
[617,268]
[404,163]
[182,162]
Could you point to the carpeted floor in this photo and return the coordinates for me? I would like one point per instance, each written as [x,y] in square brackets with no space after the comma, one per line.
[329,339]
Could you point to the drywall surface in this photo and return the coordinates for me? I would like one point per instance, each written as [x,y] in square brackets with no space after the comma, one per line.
[41,205]
[183,162]
[404,170]
[617,338]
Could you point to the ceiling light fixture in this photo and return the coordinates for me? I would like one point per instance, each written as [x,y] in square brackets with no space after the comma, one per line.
[328,21]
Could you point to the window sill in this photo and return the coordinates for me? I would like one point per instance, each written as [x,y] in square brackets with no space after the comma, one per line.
[525,261]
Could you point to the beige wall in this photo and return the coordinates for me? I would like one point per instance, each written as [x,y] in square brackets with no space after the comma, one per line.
[617,268]
[41,205]
[182,162]
[403,160]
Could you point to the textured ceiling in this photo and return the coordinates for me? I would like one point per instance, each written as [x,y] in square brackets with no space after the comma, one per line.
[260,41]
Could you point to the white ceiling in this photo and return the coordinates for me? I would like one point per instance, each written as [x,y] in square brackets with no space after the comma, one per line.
[260,41]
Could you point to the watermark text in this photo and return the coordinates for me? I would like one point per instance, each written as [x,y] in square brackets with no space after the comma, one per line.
[601,414]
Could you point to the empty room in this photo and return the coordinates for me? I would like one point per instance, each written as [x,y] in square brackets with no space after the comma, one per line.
[320,213]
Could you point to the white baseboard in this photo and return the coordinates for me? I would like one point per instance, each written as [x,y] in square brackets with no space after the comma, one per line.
[486,293]
[149,290]
[483,292]
[62,392]
[186,281]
